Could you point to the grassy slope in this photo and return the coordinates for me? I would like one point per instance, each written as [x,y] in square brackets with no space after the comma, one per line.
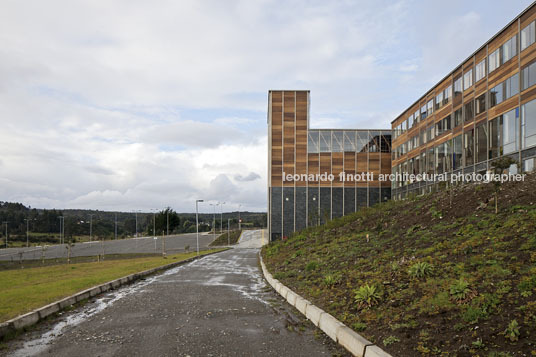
[27,289]
[223,240]
[494,254]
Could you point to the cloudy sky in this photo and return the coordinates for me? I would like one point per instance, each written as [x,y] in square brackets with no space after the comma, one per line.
[126,105]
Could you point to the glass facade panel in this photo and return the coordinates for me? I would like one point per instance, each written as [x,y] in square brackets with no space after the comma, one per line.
[509,49]
[496,95]
[458,86]
[480,70]
[528,35]
[494,60]
[528,124]
[469,147]
[510,132]
[480,104]
[468,110]
[528,75]
[481,143]
[349,141]
[494,138]
[337,141]
[457,152]
[362,140]
[511,86]
[325,141]
[457,117]
[312,143]
[468,79]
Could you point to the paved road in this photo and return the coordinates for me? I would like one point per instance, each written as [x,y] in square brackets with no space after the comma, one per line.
[173,244]
[218,305]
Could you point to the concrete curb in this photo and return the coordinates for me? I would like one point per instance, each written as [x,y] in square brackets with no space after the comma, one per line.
[33,317]
[356,344]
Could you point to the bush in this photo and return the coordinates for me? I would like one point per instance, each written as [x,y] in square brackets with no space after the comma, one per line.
[367,295]
[421,270]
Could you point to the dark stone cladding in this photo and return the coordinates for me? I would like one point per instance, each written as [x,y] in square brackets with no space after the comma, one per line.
[301,211]
[276,214]
[337,195]
[349,200]
[288,211]
[325,204]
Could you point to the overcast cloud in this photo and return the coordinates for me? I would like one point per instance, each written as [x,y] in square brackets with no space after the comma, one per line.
[135,105]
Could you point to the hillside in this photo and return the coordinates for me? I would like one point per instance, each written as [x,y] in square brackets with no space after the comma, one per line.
[440,274]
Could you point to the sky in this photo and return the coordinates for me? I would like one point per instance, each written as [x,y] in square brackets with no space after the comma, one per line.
[138,105]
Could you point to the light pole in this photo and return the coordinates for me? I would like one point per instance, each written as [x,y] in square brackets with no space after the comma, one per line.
[90,227]
[214,219]
[62,224]
[167,221]
[154,222]
[115,226]
[239,220]
[221,217]
[228,237]
[197,222]
[6,222]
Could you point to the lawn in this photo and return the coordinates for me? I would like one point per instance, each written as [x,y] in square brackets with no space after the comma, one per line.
[440,274]
[224,240]
[27,289]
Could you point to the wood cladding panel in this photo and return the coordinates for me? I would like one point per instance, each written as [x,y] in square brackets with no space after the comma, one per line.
[337,166]
[528,55]
[362,167]
[289,126]
[528,17]
[325,167]
[301,135]
[277,138]
[503,72]
[349,167]
[503,107]
[313,162]
[528,95]
[505,35]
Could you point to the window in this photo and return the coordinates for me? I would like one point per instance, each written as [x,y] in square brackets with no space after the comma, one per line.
[494,60]
[349,141]
[469,113]
[312,146]
[528,124]
[457,152]
[480,70]
[458,86]
[443,125]
[325,141]
[468,147]
[509,49]
[480,104]
[496,95]
[422,136]
[528,75]
[511,86]
[439,100]
[440,158]
[468,79]
[457,117]
[416,115]
[430,164]
[528,35]
[424,114]
[481,143]
[430,132]
[447,94]
[430,107]
[528,165]
[503,134]
[337,141]
[411,122]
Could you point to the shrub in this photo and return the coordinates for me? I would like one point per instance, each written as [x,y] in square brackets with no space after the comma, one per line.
[460,290]
[367,295]
[420,270]
[512,331]
[390,340]
[311,266]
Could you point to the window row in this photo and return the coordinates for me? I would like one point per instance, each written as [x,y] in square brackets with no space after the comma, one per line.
[503,135]
[348,141]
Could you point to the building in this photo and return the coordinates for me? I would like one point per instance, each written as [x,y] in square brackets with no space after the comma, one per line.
[484,109]
[313,197]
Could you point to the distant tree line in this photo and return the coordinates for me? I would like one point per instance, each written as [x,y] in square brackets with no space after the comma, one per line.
[44,225]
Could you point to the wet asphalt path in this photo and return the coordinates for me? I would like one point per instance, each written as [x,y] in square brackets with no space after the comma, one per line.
[218,305]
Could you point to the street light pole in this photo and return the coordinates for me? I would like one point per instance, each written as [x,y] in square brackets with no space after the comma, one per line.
[136,224]
[154,223]
[221,217]
[239,221]
[167,221]
[116,226]
[214,220]
[197,222]
[90,227]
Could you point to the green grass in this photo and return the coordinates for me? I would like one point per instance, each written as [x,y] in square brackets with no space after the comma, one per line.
[224,240]
[420,273]
[27,289]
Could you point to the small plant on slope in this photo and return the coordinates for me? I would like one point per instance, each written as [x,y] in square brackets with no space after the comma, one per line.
[367,295]
[512,331]
[461,291]
[421,270]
